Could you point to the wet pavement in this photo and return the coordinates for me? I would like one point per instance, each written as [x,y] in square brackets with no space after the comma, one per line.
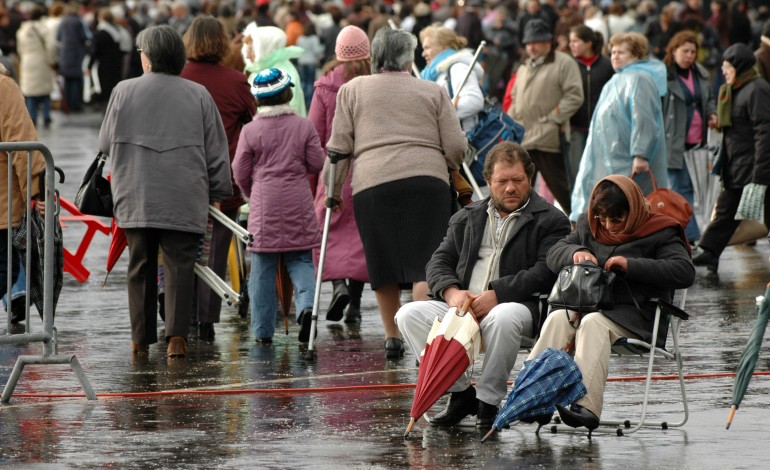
[245,405]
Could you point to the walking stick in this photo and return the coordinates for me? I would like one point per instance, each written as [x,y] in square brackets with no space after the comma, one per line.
[334,158]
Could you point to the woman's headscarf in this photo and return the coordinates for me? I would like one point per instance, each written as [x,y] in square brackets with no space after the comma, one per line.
[640,222]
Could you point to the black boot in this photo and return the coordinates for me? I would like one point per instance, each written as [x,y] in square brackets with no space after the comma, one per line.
[707,258]
[305,321]
[353,313]
[18,310]
[461,404]
[340,299]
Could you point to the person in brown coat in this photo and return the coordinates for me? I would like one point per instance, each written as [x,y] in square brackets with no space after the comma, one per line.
[15,126]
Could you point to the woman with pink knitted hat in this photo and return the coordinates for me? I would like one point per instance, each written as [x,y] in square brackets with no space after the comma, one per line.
[344,252]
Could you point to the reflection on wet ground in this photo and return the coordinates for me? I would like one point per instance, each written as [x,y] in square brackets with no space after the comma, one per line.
[359,428]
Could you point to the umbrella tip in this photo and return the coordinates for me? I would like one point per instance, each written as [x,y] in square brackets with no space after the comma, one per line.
[409,428]
[489,434]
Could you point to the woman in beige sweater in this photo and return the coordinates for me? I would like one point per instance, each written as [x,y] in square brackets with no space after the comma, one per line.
[404,135]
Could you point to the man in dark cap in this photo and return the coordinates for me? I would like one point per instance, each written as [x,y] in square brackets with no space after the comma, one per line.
[547,92]
[744,162]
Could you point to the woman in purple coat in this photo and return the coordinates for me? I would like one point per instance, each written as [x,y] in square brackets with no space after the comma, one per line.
[275,154]
[344,252]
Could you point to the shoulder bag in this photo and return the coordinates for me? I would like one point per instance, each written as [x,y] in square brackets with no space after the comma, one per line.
[94,197]
[667,202]
[583,287]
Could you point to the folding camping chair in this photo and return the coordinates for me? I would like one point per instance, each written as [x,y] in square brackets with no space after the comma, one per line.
[666,314]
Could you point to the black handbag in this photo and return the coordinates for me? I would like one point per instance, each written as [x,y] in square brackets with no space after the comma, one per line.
[94,197]
[583,287]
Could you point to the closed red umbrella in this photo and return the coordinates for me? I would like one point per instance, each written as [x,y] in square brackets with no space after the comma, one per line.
[452,346]
[285,290]
[118,244]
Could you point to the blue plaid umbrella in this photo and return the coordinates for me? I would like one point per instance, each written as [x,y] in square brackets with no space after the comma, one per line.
[552,378]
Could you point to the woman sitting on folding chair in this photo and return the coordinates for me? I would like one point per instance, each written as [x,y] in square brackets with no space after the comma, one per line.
[649,254]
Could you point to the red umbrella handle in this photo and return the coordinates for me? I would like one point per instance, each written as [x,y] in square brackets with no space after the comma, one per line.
[466,308]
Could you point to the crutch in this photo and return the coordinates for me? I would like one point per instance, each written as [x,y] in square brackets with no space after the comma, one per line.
[456,98]
[334,158]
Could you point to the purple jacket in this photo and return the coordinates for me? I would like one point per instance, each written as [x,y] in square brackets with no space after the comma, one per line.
[344,251]
[275,154]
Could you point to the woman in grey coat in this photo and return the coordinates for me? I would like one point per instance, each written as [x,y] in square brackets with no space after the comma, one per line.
[650,255]
[169,160]
[689,109]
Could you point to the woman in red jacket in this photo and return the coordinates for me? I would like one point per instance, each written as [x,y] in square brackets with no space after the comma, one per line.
[206,45]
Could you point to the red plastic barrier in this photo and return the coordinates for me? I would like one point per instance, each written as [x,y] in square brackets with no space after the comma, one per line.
[73,263]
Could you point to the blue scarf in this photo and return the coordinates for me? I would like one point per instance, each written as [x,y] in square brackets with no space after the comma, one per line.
[430,72]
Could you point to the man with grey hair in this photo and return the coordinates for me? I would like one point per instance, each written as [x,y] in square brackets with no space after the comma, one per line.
[494,253]
[547,92]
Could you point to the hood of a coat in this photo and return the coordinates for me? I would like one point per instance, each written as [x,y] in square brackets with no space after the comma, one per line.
[333,80]
[655,69]
[464,56]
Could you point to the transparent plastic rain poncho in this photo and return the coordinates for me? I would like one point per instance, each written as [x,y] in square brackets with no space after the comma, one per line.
[628,121]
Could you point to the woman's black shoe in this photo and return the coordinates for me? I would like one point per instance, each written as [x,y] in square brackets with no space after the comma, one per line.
[707,258]
[542,420]
[577,416]
[340,300]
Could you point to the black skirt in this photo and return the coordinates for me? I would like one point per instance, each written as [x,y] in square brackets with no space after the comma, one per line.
[401,224]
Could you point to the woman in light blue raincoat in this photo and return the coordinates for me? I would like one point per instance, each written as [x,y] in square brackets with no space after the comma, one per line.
[626,134]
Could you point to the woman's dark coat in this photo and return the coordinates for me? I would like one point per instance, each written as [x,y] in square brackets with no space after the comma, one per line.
[657,264]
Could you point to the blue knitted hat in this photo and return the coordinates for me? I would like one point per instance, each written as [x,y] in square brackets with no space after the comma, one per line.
[270,82]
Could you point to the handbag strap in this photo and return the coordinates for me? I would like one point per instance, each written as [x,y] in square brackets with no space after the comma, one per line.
[652,178]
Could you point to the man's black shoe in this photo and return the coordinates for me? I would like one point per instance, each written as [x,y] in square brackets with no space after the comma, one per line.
[206,331]
[486,415]
[576,416]
[707,258]
[461,404]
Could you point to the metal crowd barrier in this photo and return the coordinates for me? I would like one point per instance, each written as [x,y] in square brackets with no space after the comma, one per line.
[48,335]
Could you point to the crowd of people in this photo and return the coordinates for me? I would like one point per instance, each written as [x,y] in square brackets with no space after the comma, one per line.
[261,93]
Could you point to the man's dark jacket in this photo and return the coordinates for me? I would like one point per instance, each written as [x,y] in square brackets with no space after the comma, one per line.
[523,269]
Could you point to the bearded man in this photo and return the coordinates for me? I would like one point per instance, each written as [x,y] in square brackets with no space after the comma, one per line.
[494,253]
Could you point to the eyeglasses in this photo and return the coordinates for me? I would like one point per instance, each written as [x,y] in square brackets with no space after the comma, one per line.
[139,50]
[605,219]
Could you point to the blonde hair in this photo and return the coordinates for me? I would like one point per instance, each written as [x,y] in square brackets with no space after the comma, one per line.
[443,37]
[636,42]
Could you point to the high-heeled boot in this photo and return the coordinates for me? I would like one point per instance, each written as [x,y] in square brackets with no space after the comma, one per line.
[340,299]
[353,313]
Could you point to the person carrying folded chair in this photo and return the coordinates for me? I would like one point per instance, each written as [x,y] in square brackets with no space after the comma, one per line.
[494,253]
[649,254]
